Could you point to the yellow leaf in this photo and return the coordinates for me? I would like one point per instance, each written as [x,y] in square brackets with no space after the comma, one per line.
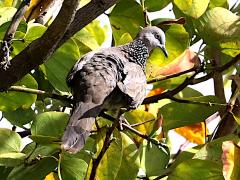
[231,160]
[193,133]
[50,176]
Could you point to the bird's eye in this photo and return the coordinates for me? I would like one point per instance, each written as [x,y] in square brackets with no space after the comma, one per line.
[157,36]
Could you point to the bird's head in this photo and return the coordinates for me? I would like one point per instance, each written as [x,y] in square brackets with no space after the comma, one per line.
[153,37]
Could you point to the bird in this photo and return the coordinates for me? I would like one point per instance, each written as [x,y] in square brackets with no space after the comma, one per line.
[108,79]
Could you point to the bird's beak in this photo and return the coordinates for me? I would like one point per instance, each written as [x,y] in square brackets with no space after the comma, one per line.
[163,48]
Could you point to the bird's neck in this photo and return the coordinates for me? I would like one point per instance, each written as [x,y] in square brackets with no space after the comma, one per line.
[137,52]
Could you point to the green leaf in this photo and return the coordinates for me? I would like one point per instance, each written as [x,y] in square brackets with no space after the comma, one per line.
[212,151]
[220,28]
[155,5]
[35,151]
[194,8]
[6,14]
[237,119]
[37,170]
[19,34]
[139,116]
[73,168]
[218,3]
[60,63]
[153,158]
[44,140]
[20,116]
[125,38]
[4,171]
[126,17]
[110,163]
[11,159]
[50,124]
[197,169]
[10,101]
[34,31]
[178,115]
[10,141]
[92,36]
[130,156]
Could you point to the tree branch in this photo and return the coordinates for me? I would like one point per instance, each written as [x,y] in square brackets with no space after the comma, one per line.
[106,145]
[39,50]
[219,69]
[7,40]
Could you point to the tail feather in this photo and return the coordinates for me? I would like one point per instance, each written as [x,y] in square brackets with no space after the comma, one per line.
[79,127]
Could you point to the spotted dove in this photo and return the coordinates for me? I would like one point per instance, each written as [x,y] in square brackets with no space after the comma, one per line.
[108,79]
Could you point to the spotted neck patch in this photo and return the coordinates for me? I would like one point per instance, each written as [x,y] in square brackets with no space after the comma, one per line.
[137,51]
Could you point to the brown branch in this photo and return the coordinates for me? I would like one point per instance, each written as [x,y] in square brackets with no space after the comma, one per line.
[228,124]
[87,14]
[39,50]
[106,145]
[191,81]
[170,93]
[9,35]
[219,69]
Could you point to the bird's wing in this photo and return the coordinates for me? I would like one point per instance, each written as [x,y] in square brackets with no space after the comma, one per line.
[91,83]
[134,83]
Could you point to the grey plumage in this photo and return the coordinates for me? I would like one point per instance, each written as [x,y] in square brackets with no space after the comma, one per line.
[108,79]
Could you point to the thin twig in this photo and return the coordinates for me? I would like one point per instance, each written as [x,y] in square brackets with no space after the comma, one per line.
[141,123]
[106,145]
[171,76]
[197,102]
[41,92]
[219,69]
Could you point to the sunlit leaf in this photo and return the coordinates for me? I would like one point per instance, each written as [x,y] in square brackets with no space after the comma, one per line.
[73,168]
[237,119]
[192,8]
[37,170]
[50,124]
[6,14]
[139,116]
[153,158]
[10,141]
[11,159]
[130,156]
[20,116]
[182,114]
[194,133]
[92,36]
[197,169]
[123,21]
[125,38]
[10,101]
[218,3]
[111,162]
[212,151]
[155,5]
[231,160]
[220,28]
[50,176]
[57,67]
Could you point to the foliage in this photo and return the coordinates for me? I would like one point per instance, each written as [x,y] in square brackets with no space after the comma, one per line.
[143,149]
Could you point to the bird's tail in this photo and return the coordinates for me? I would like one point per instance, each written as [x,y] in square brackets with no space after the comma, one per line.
[79,127]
